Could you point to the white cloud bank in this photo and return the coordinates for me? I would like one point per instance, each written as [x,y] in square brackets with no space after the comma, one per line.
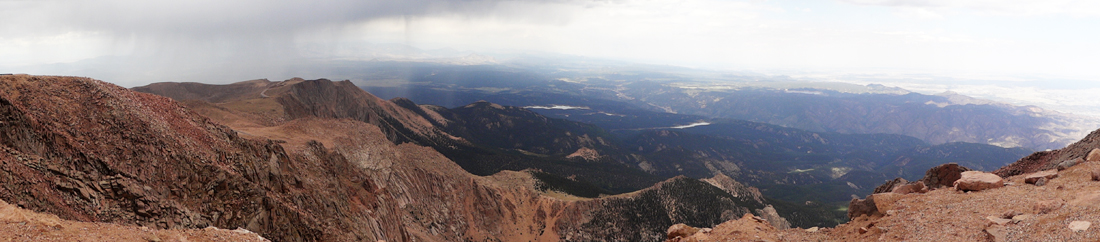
[146,41]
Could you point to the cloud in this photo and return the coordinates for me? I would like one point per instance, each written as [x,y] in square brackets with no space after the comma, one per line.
[172,37]
[222,41]
[236,26]
[1018,8]
[212,16]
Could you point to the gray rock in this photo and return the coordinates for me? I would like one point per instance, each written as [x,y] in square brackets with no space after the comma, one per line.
[1068,164]
[943,175]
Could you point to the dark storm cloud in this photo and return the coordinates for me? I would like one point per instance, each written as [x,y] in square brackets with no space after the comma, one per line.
[228,38]
[213,27]
[204,17]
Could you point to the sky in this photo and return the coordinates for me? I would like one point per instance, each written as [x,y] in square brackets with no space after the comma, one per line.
[134,42]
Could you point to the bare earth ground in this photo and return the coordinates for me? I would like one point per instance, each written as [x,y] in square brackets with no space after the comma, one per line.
[17,224]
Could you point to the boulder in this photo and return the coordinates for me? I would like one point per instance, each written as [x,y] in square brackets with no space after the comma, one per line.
[1093,155]
[998,220]
[913,187]
[1078,226]
[1034,177]
[681,230]
[943,175]
[1095,175]
[773,218]
[1068,163]
[890,185]
[977,181]
[1020,218]
[859,207]
[1047,206]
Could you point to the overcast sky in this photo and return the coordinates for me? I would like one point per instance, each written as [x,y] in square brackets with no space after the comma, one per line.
[253,38]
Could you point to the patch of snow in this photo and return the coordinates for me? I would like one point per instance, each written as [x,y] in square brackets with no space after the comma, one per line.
[558,107]
[691,125]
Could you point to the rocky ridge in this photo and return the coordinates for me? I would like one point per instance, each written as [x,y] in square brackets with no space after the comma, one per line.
[979,207]
[90,151]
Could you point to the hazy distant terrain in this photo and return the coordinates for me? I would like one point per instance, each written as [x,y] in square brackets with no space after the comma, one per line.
[814,106]
[768,135]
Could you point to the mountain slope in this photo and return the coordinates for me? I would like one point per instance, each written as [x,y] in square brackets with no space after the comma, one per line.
[517,128]
[297,98]
[796,166]
[1045,160]
[90,151]
[404,121]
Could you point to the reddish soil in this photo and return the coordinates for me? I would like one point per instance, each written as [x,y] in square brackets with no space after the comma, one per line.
[18,224]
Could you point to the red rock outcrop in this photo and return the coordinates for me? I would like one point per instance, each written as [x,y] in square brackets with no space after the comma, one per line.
[90,151]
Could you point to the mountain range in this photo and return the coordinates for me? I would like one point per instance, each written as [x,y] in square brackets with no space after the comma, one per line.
[484,138]
[317,160]
[609,95]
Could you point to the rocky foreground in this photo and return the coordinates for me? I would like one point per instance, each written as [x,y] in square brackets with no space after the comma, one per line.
[17,224]
[1061,203]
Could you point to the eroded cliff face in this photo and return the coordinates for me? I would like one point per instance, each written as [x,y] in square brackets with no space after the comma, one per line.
[87,150]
